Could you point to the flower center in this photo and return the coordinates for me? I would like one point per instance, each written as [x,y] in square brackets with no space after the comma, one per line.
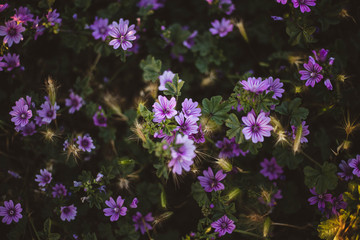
[66,210]
[23,116]
[312,74]
[214,183]
[85,143]
[223,225]
[102,30]
[188,112]
[12,32]
[50,114]
[11,212]
[74,102]
[116,209]
[255,128]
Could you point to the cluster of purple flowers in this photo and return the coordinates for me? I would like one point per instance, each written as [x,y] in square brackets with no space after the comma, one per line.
[21,114]
[333,206]
[303,4]
[12,31]
[350,168]
[229,148]
[314,72]
[258,86]
[185,134]
[116,209]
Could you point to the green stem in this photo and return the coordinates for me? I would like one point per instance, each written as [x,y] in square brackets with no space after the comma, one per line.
[248,233]
[33,227]
[311,159]
[291,226]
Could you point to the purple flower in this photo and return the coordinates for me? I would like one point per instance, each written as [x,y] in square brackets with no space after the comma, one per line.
[328,84]
[74,101]
[122,33]
[168,139]
[10,212]
[320,199]
[100,28]
[188,125]
[134,203]
[164,109]
[167,76]
[222,28]
[3,7]
[53,17]
[282,1]
[304,4]
[40,29]
[210,182]
[190,41]
[12,61]
[99,118]
[22,15]
[14,174]
[182,154]
[198,137]
[85,143]
[271,201]
[2,64]
[275,86]
[346,173]
[154,3]
[12,32]
[227,6]
[48,111]
[21,113]
[337,204]
[311,73]
[271,169]
[77,184]
[59,190]
[229,148]
[29,129]
[321,55]
[99,176]
[115,208]
[305,132]
[255,85]
[256,128]
[44,177]
[355,164]
[190,108]
[68,213]
[223,225]
[277,18]
[331,61]
[142,223]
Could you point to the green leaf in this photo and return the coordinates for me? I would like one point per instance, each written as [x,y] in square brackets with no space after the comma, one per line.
[285,157]
[53,236]
[90,236]
[199,194]
[293,109]
[151,68]
[47,226]
[174,87]
[235,128]
[215,109]
[323,179]
[83,4]
[107,134]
